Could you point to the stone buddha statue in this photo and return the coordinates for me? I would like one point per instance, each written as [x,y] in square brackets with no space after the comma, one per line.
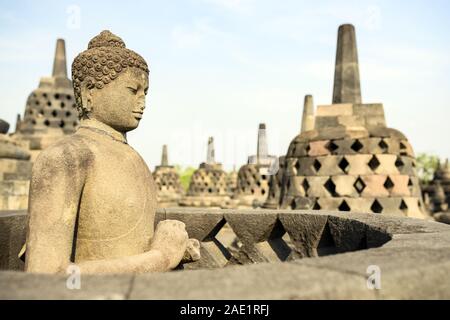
[92,197]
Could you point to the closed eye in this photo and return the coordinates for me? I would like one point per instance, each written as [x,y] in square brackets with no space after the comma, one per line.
[133,90]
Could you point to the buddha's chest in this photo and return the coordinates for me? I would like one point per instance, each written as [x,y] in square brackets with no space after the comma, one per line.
[118,199]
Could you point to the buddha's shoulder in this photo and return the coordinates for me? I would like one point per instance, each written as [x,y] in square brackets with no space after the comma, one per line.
[73,151]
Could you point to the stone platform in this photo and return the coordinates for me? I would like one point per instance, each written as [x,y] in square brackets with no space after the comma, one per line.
[279,255]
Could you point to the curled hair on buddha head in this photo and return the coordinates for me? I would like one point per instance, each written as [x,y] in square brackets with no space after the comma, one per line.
[103,61]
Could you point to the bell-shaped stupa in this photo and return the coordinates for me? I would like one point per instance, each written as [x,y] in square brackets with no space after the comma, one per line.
[50,111]
[253,178]
[348,160]
[167,182]
[208,185]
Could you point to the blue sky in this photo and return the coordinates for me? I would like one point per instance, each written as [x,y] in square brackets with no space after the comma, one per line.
[220,67]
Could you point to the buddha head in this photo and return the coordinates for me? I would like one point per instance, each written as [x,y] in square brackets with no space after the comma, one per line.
[110,83]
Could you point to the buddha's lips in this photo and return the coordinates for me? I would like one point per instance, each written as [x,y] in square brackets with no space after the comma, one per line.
[137,114]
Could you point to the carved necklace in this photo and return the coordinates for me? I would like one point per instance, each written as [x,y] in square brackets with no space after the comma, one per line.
[104,133]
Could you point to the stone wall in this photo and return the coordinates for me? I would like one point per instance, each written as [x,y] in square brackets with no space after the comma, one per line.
[412,255]
[235,237]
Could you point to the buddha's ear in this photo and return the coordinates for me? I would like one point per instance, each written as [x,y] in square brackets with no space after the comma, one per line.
[86,98]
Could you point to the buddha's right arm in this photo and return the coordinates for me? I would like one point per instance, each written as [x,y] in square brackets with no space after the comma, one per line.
[56,185]
[150,261]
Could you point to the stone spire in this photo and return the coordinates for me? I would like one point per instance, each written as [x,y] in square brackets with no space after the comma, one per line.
[262,150]
[59,63]
[210,158]
[439,192]
[164,157]
[18,122]
[346,73]
[308,114]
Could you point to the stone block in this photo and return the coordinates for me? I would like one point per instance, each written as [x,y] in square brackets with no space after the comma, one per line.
[295,186]
[328,203]
[323,122]
[302,203]
[368,109]
[356,164]
[8,165]
[399,186]
[413,208]
[374,186]
[292,166]
[374,121]
[12,238]
[201,224]
[341,132]
[372,146]
[305,231]
[393,145]
[14,202]
[384,132]
[317,186]
[344,186]
[328,165]
[305,167]
[405,165]
[334,110]
[351,121]
[414,186]
[298,150]
[406,148]
[389,206]
[383,164]
[261,238]
[345,147]
[348,235]
[250,227]
[318,148]
[359,204]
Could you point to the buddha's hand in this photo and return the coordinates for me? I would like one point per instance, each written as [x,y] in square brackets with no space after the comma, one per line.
[171,240]
[192,253]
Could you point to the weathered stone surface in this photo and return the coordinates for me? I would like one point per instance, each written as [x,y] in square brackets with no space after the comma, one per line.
[413,256]
[318,148]
[346,77]
[15,172]
[344,186]
[251,227]
[443,217]
[167,182]
[200,223]
[308,114]
[348,235]
[21,285]
[12,238]
[92,197]
[305,231]
[384,132]
[358,164]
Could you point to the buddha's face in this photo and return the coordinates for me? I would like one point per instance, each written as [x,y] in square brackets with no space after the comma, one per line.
[121,103]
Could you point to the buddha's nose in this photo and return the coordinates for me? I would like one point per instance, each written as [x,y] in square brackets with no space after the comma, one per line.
[141,104]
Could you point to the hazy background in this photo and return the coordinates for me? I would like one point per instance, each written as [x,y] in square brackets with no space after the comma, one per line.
[220,67]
